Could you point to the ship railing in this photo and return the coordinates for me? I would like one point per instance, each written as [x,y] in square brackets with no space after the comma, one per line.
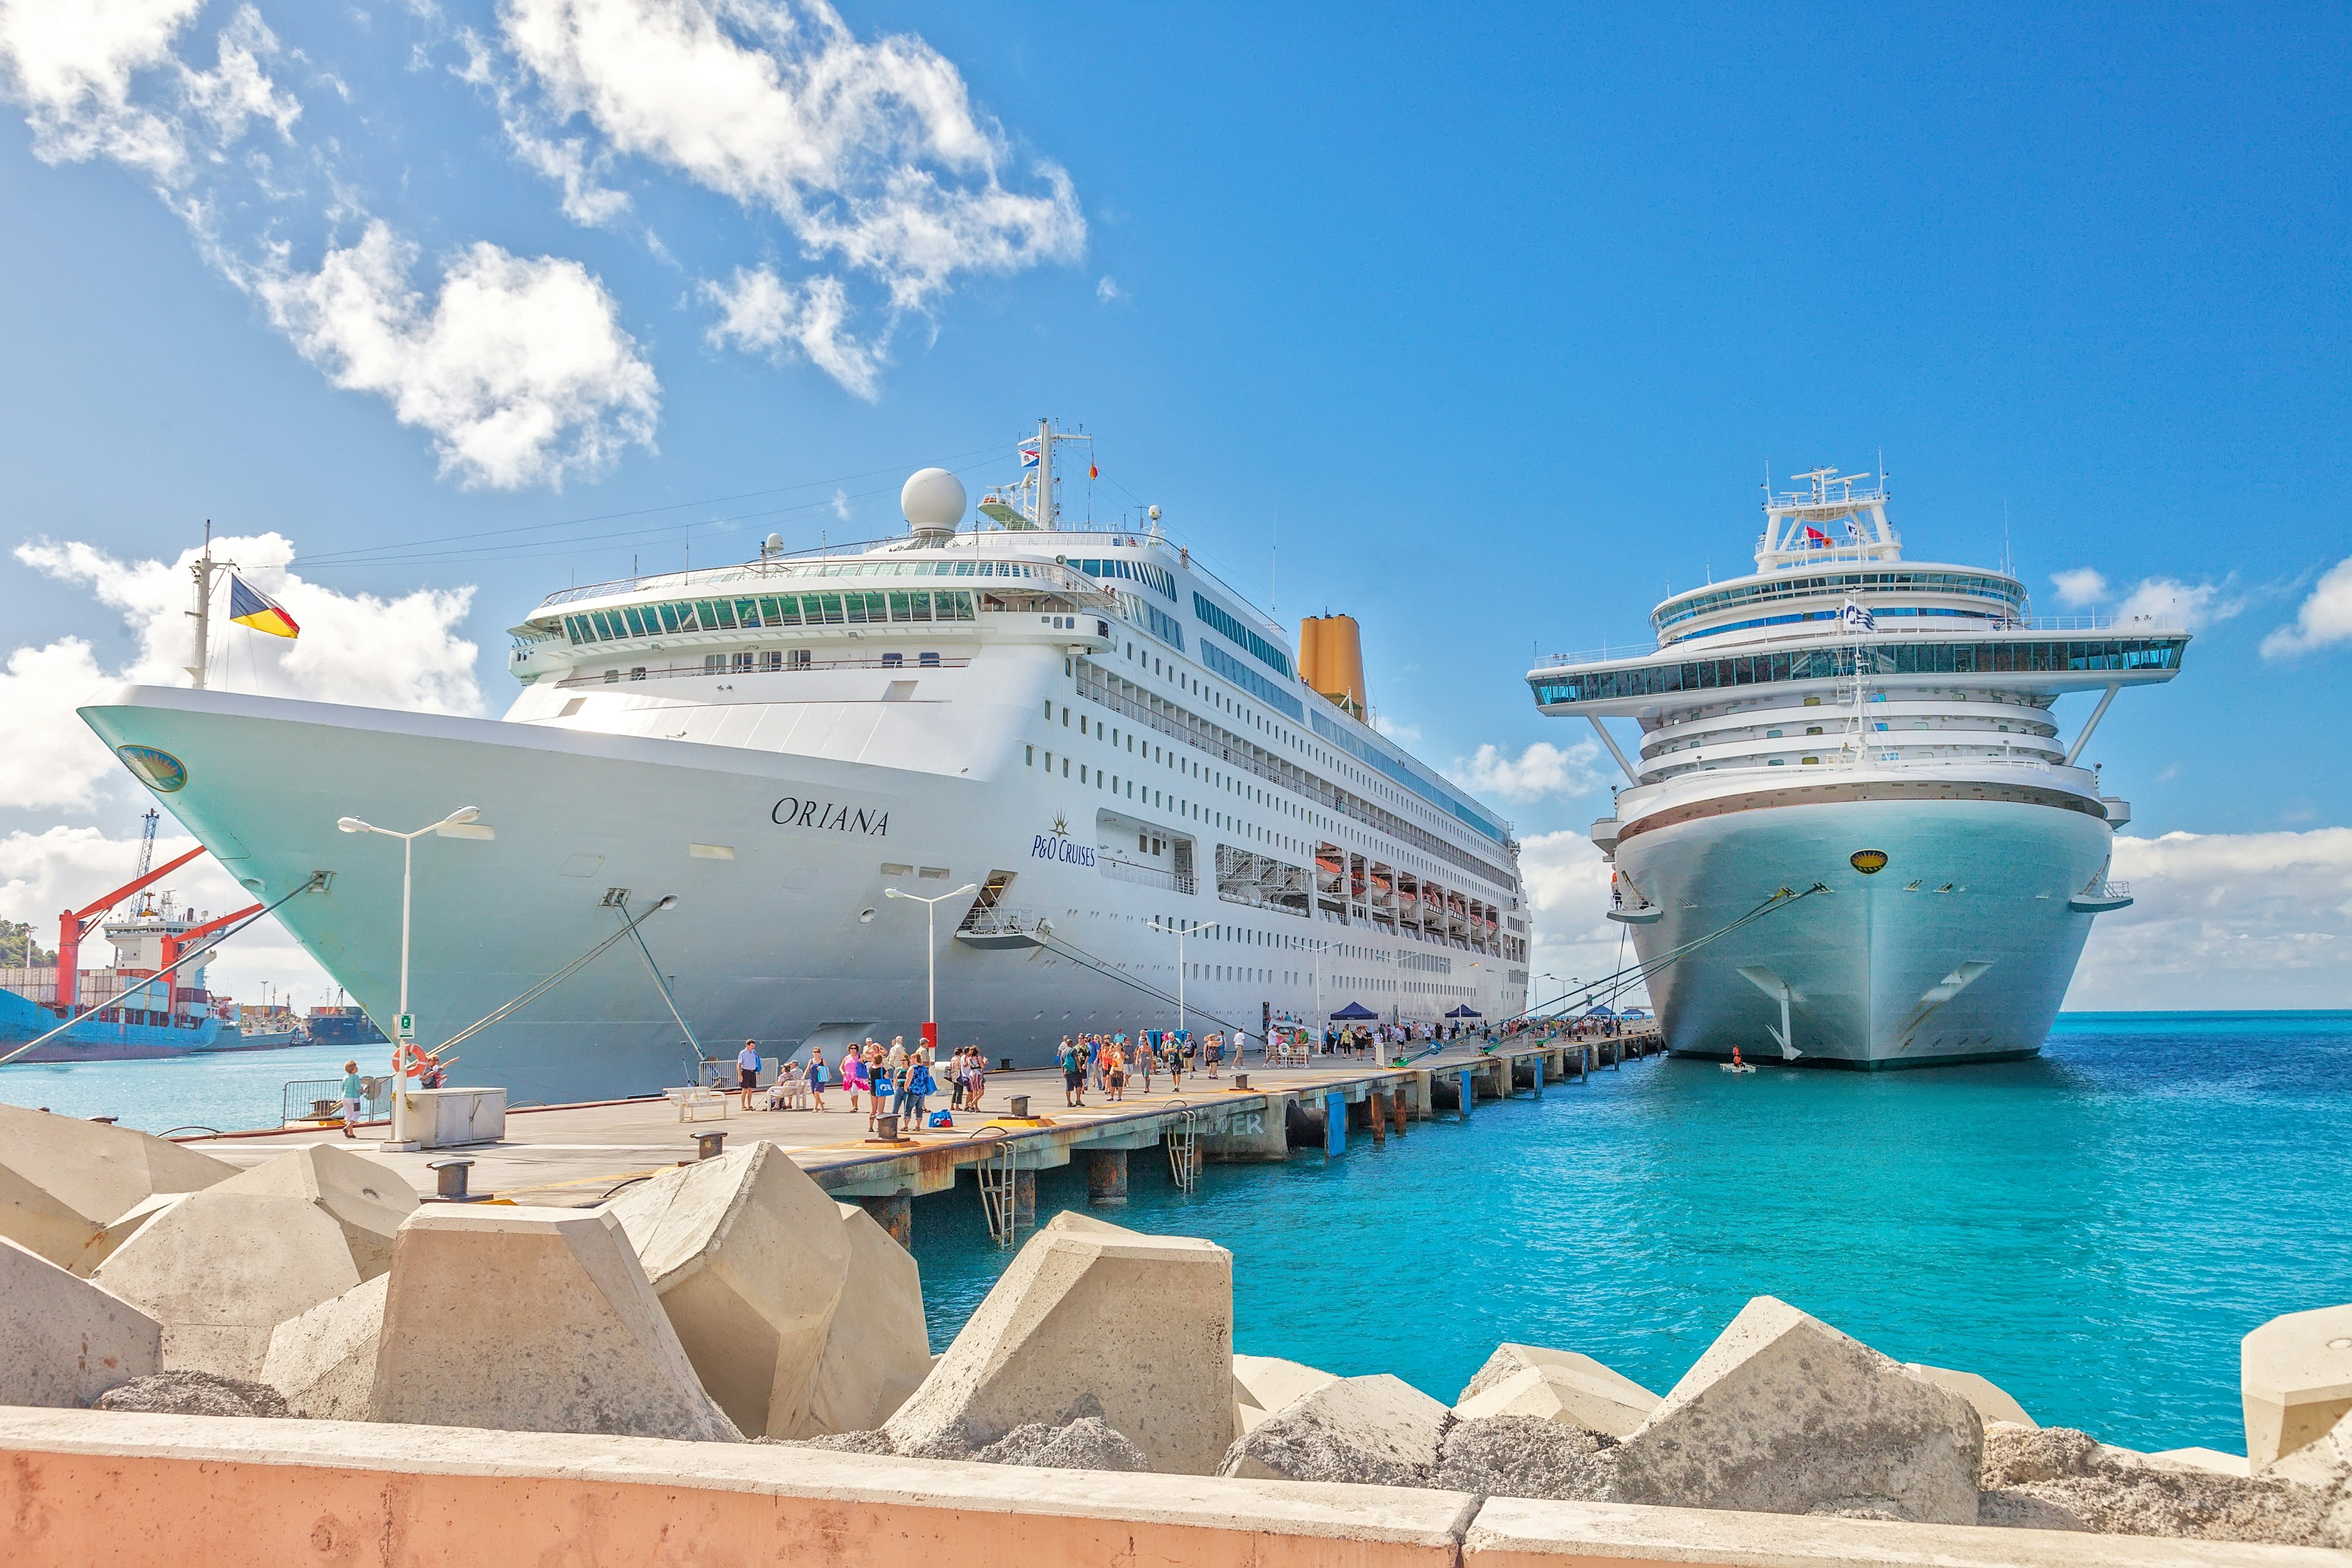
[791,564]
[2115,890]
[307,1101]
[1813,632]
[752,664]
[998,920]
[1119,870]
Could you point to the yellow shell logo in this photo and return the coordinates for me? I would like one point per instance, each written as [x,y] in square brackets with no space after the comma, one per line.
[162,772]
[1869,862]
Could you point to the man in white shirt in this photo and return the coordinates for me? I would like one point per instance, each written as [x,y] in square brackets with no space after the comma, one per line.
[747,1070]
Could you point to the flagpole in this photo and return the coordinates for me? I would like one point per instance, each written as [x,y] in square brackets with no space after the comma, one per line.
[203,575]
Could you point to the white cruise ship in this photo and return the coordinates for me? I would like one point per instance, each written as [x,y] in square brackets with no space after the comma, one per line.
[1083,728]
[1855,834]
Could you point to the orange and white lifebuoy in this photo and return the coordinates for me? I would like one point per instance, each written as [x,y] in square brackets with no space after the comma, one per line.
[412,1061]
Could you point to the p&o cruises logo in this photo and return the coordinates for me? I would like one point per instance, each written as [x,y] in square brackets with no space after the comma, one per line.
[1059,846]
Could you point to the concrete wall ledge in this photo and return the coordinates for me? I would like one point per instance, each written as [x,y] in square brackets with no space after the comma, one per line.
[84,1487]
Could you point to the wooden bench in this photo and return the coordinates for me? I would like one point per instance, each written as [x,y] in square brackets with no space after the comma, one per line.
[695,1097]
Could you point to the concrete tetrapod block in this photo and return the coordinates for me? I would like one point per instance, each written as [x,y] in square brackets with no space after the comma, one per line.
[366,1197]
[63,1341]
[1092,1319]
[323,1362]
[220,1270]
[120,1229]
[62,1180]
[749,1256]
[2296,1377]
[1992,1401]
[877,1349]
[1264,1384]
[1560,1386]
[1785,1414]
[1374,1431]
[532,1320]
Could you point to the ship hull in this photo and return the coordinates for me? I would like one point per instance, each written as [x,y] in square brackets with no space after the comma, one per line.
[782,932]
[92,1039]
[1882,970]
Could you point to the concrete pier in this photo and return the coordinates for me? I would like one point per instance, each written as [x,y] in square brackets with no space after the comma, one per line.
[573,1155]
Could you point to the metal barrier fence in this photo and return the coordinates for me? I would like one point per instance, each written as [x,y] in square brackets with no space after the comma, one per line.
[312,1100]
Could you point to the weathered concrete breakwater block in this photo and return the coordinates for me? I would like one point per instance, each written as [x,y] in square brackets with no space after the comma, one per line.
[63,1341]
[366,1199]
[2059,1478]
[1560,1386]
[749,1256]
[877,1349]
[2296,1375]
[323,1361]
[1092,1319]
[1265,1384]
[1785,1414]
[532,1320]
[62,1180]
[221,1269]
[1990,1400]
[1374,1431]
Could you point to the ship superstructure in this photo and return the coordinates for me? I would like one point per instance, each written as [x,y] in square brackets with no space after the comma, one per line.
[1853,833]
[1104,742]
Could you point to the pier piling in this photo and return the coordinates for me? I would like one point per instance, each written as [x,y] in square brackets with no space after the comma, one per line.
[1377,1116]
[895,1215]
[1335,1123]
[1106,1178]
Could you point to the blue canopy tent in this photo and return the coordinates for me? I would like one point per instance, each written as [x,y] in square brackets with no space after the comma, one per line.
[1600,1012]
[1354,1012]
[1465,1011]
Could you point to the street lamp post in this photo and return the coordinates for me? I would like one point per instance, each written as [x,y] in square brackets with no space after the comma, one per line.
[1319,949]
[458,824]
[931,954]
[1181,934]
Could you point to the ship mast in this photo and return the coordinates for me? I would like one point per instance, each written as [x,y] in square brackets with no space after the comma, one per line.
[203,614]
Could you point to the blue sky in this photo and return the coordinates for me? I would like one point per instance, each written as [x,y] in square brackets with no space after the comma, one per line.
[1493,322]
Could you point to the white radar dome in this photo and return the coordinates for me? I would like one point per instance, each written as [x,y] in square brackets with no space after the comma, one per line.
[932,498]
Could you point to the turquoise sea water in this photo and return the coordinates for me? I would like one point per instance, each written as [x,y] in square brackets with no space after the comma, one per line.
[2094,1230]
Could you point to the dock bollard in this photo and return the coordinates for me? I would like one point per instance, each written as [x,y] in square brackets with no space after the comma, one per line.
[710,1145]
[450,1181]
[886,1128]
[1020,1112]
[1241,1080]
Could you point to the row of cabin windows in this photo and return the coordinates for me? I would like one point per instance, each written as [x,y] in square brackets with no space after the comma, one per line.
[894,606]
[774,658]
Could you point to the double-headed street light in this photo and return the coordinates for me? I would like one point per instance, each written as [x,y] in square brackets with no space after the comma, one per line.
[460,824]
[931,954]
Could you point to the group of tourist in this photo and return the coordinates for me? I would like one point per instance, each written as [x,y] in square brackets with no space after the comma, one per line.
[1105,1062]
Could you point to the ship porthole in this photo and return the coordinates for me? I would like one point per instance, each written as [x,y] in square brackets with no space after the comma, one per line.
[865,917]
[1869,862]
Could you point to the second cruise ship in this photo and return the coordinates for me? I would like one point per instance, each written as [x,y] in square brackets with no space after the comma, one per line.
[1127,797]
[1853,834]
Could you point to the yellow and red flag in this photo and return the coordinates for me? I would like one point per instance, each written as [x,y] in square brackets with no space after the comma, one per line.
[249,606]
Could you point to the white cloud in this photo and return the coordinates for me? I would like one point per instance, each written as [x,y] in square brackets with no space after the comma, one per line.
[519,371]
[1107,288]
[2191,605]
[1568,891]
[2325,618]
[385,653]
[1543,769]
[2083,586]
[51,759]
[841,503]
[761,313]
[41,873]
[401,653]
[2226,920]
[871,154]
